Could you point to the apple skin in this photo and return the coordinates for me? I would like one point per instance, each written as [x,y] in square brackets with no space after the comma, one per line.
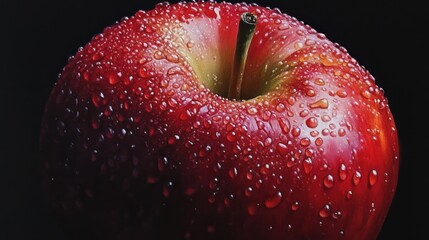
[138,141]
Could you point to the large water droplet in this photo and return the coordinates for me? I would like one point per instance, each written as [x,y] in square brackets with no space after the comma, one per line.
[231,136]
[295,206]
[171,57]
[356,178]
[336,215]
[349,194]
[97,56]
[274,201]
[342,172]
[324,212]
[305,142]
[366,94]
[328,181]
[282,148]
[372,179]
[233,173]
[158,55]
[312,122]
[308,165]
[251,209]
[322,103]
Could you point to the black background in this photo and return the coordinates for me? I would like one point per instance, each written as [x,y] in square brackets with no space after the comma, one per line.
[37,37]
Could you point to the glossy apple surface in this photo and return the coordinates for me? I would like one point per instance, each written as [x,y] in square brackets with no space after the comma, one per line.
[140,141]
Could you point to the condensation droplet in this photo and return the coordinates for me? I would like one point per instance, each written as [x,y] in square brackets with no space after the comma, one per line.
[158,55]
[251,209]
[231,136]
[305,142]
[328,181]
[349,194]
[312,122]
[372,179]
[248,191]
[324,212]
[274,201]
[319,82]
[282,148]
[322,103]
[114,78]
[97,56]
[356,178]
[319,141]
[308,165]
[296,131]
[295,206]
[252,111]
[342,172]
[366,94]
[233,173]
[336,215]
[342,93]
[172,58]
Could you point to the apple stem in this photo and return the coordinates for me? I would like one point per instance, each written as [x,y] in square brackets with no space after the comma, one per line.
[246,30]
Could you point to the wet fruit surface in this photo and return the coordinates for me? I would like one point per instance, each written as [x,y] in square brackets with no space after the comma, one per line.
[139,138]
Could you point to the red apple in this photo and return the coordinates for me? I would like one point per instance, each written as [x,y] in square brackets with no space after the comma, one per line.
[186,122]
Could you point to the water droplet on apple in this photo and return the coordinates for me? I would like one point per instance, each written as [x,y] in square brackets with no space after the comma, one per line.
[284,124]
[280,107]
[310,42]
[319,82]
[324,212]
[366,94]
[305,142]
[175,70]
[228,200]
[282,148]
[252,110]
[158,55]
[372,179]
[251,209]
[342,172]
[98,99]
[233,173]
[166,190]
[190,44]
[342,93]
[283,26]
[248,191]
[308,165]
[356,178]
[295,206]
[322,103]
[274,201]
[173,58]
[328,181]
[114,78]
[336,215]
[296,131]
[213,183]
[349,194]
[231,137]
[312,122]
[97,56]
[341,132]
[319,141]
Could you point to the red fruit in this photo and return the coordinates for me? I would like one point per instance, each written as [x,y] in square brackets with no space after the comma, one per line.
[140,139]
